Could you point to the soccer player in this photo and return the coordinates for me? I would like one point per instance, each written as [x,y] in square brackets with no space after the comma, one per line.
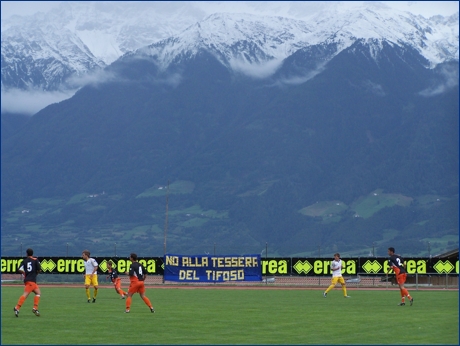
[136,274]
[397,264]
[113,275]
[90,275]
[336,267]
[29,269]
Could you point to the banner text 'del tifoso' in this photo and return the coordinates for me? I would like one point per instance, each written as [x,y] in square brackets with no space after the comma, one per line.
[212,268]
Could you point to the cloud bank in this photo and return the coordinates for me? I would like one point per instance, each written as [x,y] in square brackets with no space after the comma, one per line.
[29,102]
[449,80]
[255,70]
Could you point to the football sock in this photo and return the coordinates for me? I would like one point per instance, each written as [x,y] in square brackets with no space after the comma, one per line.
[36,300]
[128,303]
[20,302]
[406,293]
[95,292]
[147,302]
[88,294]
[344,289]
[329,288]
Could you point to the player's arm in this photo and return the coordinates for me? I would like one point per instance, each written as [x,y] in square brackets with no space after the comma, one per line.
[390,266]
[95,266]
[21,269]
[336,267]
[130,271]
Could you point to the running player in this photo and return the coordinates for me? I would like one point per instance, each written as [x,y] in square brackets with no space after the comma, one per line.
[397,264]
[113,275]
[336,267]
[29,269]
[136,274]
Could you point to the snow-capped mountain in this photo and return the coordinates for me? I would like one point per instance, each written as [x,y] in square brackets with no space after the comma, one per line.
[338,104]
[44,56]
[47,51]
[243,42]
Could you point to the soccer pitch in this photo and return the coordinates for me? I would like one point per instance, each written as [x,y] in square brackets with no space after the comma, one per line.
[232,316]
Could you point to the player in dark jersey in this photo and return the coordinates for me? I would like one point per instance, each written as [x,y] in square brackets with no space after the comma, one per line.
[29,269]
[113,275]
[136,274]
[397,264]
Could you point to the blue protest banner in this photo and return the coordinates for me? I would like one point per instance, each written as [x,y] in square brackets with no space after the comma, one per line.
[212,268]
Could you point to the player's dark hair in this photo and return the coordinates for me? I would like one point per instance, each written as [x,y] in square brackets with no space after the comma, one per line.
[133,256]
[86,252]
[337,254]
[29,252]
[392,249]
[110,262]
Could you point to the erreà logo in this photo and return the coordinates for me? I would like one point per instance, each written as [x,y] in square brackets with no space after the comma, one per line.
[371,267]
[103,265]
[302,267]
[47,265]
[443,267]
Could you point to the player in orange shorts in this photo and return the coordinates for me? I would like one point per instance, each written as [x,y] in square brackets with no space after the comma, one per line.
[136,274]
[30,268]
[397,264]
[113,275]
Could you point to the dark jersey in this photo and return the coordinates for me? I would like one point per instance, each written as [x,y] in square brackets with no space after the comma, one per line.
[136,272]
[113,275]
[30,266]
[397,264]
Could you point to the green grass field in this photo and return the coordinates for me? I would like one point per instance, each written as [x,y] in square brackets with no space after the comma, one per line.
[232,316]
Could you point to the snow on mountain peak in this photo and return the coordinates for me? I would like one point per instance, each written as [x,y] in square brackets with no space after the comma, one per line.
[78,37]
[257,45]
[237,40]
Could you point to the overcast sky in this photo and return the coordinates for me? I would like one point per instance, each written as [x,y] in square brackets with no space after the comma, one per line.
[425,8]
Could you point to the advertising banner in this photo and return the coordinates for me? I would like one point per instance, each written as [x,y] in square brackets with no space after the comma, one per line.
[76,265]
[322,266]
[238,268]
[212,268]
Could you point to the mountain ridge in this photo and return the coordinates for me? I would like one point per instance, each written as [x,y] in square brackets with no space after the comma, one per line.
[250,151]
[33,45]
[252,156]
